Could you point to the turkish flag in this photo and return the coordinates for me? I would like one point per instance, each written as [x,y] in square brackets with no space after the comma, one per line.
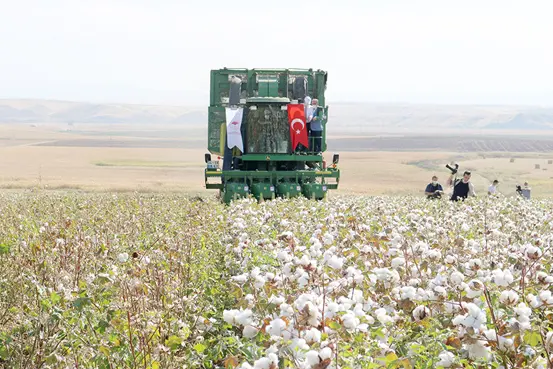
[298,131]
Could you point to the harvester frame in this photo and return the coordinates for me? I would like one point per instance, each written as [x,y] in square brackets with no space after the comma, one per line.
[268,167]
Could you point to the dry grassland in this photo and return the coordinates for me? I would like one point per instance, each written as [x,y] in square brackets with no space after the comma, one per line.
[25,166]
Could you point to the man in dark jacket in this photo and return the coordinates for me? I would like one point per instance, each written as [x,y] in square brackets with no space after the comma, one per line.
[434,190]
[462,188]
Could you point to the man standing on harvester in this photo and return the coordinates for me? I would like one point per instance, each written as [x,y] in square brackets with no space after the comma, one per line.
[462,188]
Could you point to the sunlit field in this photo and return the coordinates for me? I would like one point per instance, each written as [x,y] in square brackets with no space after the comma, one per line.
[166,281]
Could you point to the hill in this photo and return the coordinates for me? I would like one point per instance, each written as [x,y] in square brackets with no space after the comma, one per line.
[345,117]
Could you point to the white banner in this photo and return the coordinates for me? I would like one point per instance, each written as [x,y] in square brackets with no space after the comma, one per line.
[234,123]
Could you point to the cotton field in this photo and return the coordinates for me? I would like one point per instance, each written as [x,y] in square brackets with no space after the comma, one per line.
[164,281]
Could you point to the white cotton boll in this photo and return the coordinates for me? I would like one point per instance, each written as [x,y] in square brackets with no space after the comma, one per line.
[509,297]
[312,335]
[421,312]
[446,359]
[286,310]
[440,291]
[244,317]
[544,278]
[408,293]
[229,316]
[398,262]
[350,321]
[328,239]
[259,282]
[546,297]
[358,310]
[249,331]
[277,300]
[474,264]
[450,259]
[332,309]
[335,262]
[312,358]
[123,257]
[479,350]
[303,280]
[312,314]
[277,327]
[284,256]
[456,278]
[474,318]
[471,291]
[523,311]
[532,252]
[502,278]
[432,254]
[298,344]
[533,300]
[273,360]
[325,353]
[382,316]
[240,278]
[263,363]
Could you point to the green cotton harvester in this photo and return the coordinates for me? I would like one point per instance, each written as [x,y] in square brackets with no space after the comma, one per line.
[267,134]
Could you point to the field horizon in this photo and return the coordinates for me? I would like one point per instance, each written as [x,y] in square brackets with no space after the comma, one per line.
[124,157]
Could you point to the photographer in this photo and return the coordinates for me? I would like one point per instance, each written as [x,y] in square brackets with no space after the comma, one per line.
[524,192]
[462,188]
[434,190]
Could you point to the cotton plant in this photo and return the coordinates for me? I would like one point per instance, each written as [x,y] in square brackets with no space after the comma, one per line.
[345,282]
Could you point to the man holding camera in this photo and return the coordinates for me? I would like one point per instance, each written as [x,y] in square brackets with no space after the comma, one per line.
[434,190]
[462,188]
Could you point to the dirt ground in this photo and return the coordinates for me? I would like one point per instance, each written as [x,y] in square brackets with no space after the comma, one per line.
[168,159]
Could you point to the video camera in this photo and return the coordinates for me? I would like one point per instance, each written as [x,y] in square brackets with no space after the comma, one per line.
[453,169]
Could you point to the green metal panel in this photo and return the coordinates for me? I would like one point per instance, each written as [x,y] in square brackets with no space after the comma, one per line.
[217,119]
[235,190]
[288,189]
[314,190]
[263,190]
[281,157]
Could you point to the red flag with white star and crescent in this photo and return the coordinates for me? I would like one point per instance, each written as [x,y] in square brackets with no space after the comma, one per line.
[298,130]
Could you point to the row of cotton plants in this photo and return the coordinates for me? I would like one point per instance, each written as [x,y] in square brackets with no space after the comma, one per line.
[165,281]
[392,282]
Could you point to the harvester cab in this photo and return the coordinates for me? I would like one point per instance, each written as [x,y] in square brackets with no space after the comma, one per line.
[268,136]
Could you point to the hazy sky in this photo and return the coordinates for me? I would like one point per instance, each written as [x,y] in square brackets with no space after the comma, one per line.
[161,51]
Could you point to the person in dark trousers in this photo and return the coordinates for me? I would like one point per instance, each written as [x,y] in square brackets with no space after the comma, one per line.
[462,188]
[316,127]
[434,190]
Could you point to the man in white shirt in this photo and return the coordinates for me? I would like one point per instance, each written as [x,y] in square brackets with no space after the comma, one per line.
[492,190]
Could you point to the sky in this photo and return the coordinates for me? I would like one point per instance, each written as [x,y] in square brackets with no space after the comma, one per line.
[161,51]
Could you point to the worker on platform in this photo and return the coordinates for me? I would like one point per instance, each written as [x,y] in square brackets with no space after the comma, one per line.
[316,127]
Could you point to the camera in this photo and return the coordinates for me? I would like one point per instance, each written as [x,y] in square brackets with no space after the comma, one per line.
[453,169]
[519,189]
